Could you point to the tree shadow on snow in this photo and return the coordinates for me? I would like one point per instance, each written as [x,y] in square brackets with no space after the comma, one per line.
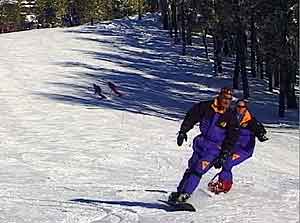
[140,58]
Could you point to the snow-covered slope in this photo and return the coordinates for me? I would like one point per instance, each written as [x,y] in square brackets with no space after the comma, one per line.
[67,156]
[7,2]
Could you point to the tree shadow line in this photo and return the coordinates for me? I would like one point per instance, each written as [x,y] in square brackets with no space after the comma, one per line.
[156,79]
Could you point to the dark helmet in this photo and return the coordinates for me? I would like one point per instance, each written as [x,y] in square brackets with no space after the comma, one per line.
[245,101]
[226,92]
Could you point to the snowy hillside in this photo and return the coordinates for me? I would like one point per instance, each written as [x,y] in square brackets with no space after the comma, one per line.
[67,156]
[7,2]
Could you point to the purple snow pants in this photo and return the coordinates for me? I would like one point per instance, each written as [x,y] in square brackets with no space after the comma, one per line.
[204,153]
[238,156]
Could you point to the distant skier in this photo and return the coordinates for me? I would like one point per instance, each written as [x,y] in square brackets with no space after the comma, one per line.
[98,91]
[219,131]
[114,89]
[243,149]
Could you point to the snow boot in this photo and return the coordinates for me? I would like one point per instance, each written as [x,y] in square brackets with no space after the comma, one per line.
[219,186]
[178,197]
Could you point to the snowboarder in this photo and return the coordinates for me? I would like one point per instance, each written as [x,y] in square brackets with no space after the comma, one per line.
[219,131]
[243,149]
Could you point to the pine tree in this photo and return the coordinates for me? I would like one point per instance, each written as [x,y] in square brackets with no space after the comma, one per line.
[46,12]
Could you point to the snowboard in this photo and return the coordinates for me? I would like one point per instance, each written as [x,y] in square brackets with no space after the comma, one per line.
[179,206]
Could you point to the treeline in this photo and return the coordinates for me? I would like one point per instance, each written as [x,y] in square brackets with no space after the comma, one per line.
[262,36]
[53,13]
[76,12]
[10,16]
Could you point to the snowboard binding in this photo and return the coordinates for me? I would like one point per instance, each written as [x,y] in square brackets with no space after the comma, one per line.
[177,197]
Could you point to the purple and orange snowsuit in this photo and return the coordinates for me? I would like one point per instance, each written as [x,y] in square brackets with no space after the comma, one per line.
[243,149]
[219,131]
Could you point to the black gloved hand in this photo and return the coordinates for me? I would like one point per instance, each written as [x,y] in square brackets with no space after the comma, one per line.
[262,138]
[221,159]
[261,132]
[260,129]
[181,136]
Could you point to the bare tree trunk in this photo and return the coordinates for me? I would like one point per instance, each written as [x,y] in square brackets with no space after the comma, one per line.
[205,43]
[276,75]
[258,61]
[217,52]
[226,47]
[191,18]
[171,22]
[283,88]
[164,14]
[176,23]
[269,72]
[238,58]
[215,55]
[218,41]
[189,26]
[244,75]
[253,46]
[140,9]
[261,67]
[291,95]
[183,34]
[231,45]
[237,67]
[241,54]
[283,57]
[174,20]
[153,5]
